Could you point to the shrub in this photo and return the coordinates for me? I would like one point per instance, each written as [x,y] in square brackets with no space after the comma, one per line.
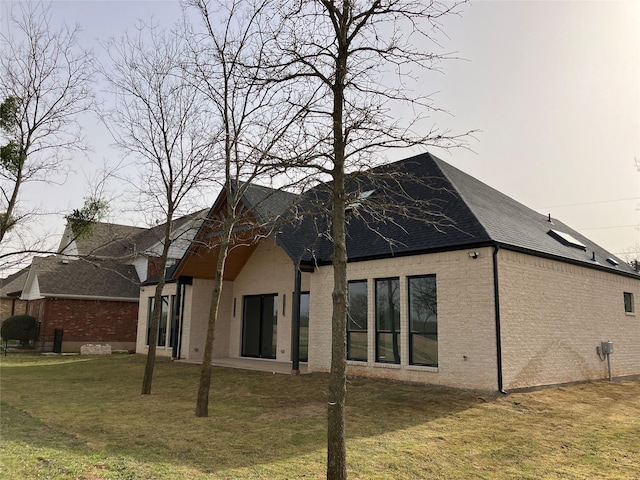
[19,327]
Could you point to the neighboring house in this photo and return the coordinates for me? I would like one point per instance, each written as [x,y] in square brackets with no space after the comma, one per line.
[90,301]
[488,295]
[90,289]
[10,289]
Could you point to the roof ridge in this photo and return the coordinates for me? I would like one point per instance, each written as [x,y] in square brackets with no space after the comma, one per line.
[438,161]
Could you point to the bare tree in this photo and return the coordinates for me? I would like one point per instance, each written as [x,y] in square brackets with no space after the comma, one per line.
[356,60]
[159,118]
[257,121]
[45,78]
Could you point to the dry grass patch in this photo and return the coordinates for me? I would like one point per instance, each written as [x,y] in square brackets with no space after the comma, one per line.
[79,417]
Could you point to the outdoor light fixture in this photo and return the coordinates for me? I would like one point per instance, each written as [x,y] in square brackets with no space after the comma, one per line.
[474,255]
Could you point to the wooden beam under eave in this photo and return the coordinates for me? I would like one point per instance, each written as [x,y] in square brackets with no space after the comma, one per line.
[203,264]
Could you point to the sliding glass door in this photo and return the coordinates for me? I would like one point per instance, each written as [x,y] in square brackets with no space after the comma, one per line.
[259,326]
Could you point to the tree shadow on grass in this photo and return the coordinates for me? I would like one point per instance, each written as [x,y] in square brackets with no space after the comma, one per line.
[256,418]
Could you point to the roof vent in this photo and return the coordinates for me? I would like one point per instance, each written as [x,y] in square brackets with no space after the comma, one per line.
[549,220]
[567,239]
[613,261]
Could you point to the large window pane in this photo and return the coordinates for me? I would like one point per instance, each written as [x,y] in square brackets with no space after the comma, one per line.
[162,325]
[251,326]
[269,326]
[304,327]
[388,320]
[423,321]
[357,321]
[260,326]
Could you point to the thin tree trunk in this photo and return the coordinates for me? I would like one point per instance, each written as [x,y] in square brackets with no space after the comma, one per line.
[336,446]
[147,379]
[202,401]
[5,221]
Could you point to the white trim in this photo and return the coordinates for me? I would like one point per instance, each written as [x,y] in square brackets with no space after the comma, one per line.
[31,288]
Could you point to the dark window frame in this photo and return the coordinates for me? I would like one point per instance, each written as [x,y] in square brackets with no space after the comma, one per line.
[268,351]
[629,306]
[303,341]
[412,333]
[169,323]
[359,331]
[394,332]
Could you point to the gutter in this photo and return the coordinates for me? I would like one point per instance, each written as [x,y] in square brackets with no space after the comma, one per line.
[87,297]
[496,296]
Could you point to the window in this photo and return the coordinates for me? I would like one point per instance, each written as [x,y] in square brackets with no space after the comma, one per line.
[423,321]
[260,326]
[304,327]
[357,321]
[567,239]
[628,302]
[165,327]
[388,320]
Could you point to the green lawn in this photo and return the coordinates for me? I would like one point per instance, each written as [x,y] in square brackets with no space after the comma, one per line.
[74,417]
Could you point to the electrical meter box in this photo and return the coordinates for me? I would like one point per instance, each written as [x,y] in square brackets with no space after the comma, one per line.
[607,348]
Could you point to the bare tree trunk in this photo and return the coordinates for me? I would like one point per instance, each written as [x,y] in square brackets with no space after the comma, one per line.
[336,446]
[6,218]
[202,401]
[147,379]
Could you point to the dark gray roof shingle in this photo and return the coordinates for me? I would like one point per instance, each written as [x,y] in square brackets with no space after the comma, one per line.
[60,276]
[430,206]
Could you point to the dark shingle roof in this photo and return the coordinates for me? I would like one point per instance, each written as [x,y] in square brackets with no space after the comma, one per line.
[423,205]
[512,224]
[14,283]
[109,240]
[59,276]
[267,203]
[147,238]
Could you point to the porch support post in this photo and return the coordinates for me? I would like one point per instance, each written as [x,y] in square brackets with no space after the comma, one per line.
[295,322]
[178,315]
[176,319]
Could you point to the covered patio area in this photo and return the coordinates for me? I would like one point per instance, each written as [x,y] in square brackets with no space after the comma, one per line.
[258,364]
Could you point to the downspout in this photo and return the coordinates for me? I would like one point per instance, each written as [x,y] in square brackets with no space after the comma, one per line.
[295,321]
[496,295]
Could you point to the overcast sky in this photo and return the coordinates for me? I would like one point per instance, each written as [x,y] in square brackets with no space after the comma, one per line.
[553,88]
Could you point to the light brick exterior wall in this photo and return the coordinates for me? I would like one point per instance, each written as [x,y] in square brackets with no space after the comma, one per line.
[146,293]
[466,319]
[197,311]
[197,306]
[553,315]
[268,271]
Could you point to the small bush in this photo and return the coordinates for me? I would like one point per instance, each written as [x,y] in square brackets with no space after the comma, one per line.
[19,327]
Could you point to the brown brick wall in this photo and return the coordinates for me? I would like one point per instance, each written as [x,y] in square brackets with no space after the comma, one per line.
[90,321]
[153,266]
[10,306]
